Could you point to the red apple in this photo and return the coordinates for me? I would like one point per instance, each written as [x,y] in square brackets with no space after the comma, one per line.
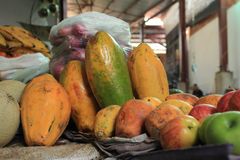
[234,102]
[222,105]
[180,132]
[3,54]
[201,111]
[159,117]
[209,99]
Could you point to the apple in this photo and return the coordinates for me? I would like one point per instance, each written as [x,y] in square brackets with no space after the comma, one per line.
[224,128]
[210,99]
[201,111]
[131,118]
[159,117]
[180,132]
[234,102]
[203,124]
[223,103]
[3,54]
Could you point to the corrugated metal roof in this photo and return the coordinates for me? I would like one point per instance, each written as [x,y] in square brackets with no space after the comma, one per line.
[135,11]
[193,7]
[128,10]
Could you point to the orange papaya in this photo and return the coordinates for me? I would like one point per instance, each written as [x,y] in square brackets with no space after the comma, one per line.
[149,78]
[83,104]
[45,111]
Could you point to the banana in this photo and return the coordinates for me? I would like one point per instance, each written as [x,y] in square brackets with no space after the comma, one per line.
[2,41]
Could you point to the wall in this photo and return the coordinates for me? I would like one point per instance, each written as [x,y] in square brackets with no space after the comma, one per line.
[204,52]
[234,42]
[13,11]
[204,56]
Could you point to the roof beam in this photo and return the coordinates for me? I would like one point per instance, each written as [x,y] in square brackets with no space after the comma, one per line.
[108,5]
[79,6]
[152,29]
[153,6]
[128,7]
[222,14]
[183,44]
[167,6]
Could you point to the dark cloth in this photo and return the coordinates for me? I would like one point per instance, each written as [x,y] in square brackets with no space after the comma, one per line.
[198,93]
[117,147]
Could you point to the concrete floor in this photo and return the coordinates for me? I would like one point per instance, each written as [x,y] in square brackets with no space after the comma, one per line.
[69,151]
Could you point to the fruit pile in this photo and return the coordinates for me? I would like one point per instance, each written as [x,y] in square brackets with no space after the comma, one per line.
[110,95]
[16,41]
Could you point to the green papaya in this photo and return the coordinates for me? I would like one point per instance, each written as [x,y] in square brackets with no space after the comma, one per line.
[107,71]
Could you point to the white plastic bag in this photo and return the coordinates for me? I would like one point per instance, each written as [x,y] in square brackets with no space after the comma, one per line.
[87,24]
[69,37]
[23,68]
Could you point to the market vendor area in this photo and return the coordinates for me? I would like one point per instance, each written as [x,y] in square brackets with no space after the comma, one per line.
[127,80]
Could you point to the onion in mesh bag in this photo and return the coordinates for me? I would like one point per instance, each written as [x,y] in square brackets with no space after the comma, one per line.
[57,63]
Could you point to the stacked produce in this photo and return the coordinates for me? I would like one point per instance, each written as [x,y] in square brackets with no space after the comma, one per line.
[68,44]
[16,41]
[69,38]
[22,55]
[108,95]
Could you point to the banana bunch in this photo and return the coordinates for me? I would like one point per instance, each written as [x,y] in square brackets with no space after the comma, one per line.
[16,41]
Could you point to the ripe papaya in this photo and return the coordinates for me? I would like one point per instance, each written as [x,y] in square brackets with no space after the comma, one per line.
[83,104]
[105,122]
[45,110]
[107,70]
[147,72]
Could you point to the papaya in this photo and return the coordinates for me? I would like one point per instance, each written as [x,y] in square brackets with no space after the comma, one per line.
[83,104]
[149,78]
[105,122]
[153,101]
[187,97]
[45,110]
[107,71]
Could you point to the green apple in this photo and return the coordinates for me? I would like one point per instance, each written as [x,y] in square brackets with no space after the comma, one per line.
[224,128]
[203,124]
[180,132]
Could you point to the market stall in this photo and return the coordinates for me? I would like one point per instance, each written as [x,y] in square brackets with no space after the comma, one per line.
[95,96]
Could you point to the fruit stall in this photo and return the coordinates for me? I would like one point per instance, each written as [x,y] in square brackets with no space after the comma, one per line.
[91,95]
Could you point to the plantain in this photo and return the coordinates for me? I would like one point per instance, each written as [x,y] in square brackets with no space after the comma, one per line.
[2,41]
[13,44]
[18,37]
[147,72]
